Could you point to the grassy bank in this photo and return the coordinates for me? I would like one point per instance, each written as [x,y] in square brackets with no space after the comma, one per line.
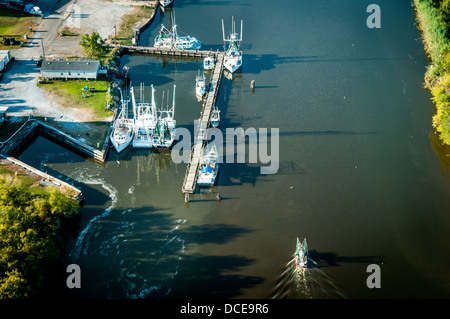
[70,93]
[15,23]
[433,18]
[125,30]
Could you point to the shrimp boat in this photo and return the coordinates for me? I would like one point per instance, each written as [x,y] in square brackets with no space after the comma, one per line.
[169,39]
[215,117]
[208,63]
[233,55]
[200,85]
[165,3]
[301,254]
[145,120]
[165,130]
[208,168]
[122,133]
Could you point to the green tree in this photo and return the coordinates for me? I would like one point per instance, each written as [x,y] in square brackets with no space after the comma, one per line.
[30,238]
[93,45]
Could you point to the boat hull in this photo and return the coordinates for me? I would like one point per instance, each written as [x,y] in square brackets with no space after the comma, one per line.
[120,146]
[166,4]
[233,65]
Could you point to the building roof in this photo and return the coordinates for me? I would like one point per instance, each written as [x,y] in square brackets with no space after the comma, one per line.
[70,65]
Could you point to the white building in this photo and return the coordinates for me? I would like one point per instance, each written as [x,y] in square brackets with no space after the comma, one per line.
[65,70]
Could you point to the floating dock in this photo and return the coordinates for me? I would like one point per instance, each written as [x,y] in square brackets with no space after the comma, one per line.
[190,179]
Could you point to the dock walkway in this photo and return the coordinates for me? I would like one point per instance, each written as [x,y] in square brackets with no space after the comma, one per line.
[190,179]
[169,52]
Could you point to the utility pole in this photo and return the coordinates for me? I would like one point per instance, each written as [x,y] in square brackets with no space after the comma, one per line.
[43,52]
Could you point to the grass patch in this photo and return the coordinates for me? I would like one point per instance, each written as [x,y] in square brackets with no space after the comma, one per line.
[125,30]
[16,23]
[70,94]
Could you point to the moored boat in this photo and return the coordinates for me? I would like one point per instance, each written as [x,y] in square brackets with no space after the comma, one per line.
[165,130]
[122,132]
[301,254]
[200,85]
[208,167]
[233,55]
[169,39]
[145,120]
[208,63]
[215,117]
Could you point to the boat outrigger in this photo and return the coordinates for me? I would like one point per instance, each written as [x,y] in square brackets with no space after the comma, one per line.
[301,254]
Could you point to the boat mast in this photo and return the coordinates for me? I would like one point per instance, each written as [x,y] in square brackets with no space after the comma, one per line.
[173,102]
[153,103]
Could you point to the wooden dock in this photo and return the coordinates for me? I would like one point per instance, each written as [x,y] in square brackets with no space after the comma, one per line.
[190,179]
[168,52]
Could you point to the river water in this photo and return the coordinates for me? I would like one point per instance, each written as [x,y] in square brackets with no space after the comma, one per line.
[357,173]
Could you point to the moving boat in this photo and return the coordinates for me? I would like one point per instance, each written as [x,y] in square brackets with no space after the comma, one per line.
[233,55]
[208,168]
[200,85]
[208,63]
[301,254]
[215,117]
[165,130]
[165,3]
[145,120]
[122,133]
[169,39]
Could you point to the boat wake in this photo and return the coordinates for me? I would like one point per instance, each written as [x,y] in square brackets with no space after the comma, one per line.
[305,283]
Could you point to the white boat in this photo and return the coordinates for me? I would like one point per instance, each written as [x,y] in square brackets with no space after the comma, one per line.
[200,85]
[215,117]
[208,168]
[208,63]
[165,130]
[145,119]
[122,133]
[165,3]
[169,39]
[301,254]
[233,55]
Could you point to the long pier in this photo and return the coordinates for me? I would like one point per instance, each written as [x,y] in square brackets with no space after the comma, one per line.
[169,52]
[190,179]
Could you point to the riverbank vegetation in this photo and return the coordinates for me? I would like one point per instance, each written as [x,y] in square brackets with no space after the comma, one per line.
[433,17]
[31,224]
[125,32]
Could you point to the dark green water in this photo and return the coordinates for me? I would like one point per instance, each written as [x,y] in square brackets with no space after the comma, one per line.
[357,177]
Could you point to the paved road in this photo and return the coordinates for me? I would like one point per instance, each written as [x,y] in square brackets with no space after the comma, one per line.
[45,40]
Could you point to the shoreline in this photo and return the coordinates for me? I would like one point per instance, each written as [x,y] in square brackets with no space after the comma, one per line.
[437,76]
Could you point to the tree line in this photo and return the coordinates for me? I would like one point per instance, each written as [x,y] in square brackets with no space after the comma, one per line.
[434,22]
[31,238]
